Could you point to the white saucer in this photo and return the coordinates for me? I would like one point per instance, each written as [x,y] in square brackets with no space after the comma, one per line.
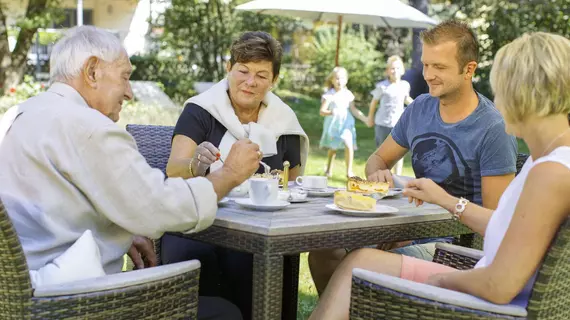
[224,200]
[380,210]
[329,191]
[277,205]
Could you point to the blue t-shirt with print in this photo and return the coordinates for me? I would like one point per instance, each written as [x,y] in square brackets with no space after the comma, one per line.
[456,155]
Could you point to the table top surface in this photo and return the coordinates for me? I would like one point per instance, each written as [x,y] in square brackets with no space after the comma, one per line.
[314,216]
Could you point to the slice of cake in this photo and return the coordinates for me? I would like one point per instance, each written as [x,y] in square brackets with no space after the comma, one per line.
[357,184]
[353,201]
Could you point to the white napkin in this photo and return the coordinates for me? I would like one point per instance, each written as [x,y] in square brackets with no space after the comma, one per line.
[264,137]
[80,261]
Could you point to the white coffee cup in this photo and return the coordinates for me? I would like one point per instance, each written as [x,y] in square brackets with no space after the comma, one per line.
[263,190]
[312,182]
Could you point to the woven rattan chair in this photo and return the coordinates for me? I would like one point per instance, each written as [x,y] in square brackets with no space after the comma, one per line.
[377,296]
[165,292]
[154,144]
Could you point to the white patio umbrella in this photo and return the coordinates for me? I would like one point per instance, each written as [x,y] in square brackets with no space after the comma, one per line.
[383,13]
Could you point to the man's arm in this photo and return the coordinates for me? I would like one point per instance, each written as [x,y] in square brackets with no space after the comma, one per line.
[121,186]
[492,187]
[383,159]
[497,163]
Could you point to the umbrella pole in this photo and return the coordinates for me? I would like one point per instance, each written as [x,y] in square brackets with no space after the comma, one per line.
[338,32]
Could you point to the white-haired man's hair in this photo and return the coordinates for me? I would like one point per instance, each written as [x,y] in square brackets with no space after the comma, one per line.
[79,44]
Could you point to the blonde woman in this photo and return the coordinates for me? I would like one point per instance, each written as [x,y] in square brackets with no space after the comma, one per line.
[339,127]
[532,94]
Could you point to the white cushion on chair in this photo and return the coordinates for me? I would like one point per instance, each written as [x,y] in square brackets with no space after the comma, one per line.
[81,261]
[118,280]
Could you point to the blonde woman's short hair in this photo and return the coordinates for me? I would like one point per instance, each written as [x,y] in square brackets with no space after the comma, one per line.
[334,72]
[531,76]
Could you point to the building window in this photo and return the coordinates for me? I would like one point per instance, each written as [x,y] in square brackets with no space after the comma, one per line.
[70,18]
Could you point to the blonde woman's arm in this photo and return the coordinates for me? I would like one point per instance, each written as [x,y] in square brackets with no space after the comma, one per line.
[542,207]
[425,190]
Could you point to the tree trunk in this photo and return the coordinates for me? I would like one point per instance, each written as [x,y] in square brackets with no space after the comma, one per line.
[4,46]
[14,63]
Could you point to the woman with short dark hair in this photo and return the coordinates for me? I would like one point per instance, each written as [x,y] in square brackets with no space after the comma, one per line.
[238,107]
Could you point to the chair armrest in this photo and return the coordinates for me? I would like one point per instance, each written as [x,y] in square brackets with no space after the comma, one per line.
[117,280]
[459,250]
[445,299]
[457,257]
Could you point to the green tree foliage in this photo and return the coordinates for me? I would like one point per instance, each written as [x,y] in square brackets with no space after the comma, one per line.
[365,65]
[38,14]
[498,22]
[195,42]
[175,78]
[201,32]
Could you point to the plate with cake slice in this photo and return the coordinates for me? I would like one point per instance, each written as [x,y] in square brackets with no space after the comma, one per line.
[356,204]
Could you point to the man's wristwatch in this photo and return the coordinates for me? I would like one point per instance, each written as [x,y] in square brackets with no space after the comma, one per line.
[459,208]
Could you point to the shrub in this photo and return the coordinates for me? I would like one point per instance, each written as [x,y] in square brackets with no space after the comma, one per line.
[365,65]
[173,75]
[26,89]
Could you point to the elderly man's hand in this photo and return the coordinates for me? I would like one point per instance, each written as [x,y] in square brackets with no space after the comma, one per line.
[243,160]
[142,253]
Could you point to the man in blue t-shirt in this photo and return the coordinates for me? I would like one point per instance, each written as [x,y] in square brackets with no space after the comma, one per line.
[456,136]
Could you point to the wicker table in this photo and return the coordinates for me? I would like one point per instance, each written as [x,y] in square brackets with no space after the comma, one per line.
[276,238]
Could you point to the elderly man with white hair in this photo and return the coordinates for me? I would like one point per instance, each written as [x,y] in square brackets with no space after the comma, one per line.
[62,152]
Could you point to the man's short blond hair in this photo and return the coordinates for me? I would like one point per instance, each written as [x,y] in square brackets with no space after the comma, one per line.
[531,76]
[458,32]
